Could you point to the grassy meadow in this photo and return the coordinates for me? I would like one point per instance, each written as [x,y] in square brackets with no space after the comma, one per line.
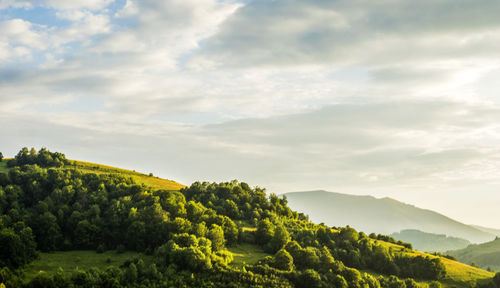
[152,181]
[246,254]
[79,260]
[147,180]
[3,167]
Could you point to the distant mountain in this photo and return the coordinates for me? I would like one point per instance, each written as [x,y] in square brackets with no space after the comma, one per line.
[495,232]
[484,255]
[430,242]
[385,216]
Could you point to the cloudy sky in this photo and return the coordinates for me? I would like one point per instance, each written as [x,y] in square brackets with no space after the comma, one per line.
[388,98]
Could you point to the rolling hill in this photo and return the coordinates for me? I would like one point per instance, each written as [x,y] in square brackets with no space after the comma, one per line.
[430,242]
[148,180]
[495,232]
[91,225]
[385,215]
[486,255]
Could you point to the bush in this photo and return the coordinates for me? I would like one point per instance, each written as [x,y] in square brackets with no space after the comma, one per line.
[120,249]
[101,249]
[434,284]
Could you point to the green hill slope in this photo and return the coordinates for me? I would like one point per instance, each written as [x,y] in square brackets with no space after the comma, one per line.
[147,180]
[486,255]
[76,224]
[88,167]
[430,242]
[386,215]
[457,274]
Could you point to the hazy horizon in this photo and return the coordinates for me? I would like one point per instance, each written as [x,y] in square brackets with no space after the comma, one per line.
[392,99]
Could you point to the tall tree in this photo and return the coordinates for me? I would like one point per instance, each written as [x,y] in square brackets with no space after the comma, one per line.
[216,235]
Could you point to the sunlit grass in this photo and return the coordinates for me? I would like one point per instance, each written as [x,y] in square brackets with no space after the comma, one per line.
[246,254]
[79,260]
[152,181]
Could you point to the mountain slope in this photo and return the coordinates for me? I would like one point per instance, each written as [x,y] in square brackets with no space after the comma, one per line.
[430,242]
[386,215]
[495,232]
[484,255]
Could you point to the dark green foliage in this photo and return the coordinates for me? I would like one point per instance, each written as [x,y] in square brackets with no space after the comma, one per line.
[216,235]
[496,279]
[308,279]
[1,157]
[42,158]
[283,260]
[434,284]
[279,239]
[421,267]
[237,200]
[101,248]
[265,232]
[17,246]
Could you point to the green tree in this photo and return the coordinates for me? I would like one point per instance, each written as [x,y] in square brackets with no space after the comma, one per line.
[17,246]
[216,235]
[339,282]
[265,232]
[349,234]
[130,275]
[1,157]
[283,260]
[47,232]
[85,234]
[279,240]
[309,279]
[496,279]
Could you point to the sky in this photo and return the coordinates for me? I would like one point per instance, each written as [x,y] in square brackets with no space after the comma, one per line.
[391,98]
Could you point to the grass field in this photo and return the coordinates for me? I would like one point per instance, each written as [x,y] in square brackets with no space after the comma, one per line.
[3,166]
[155,182]
[82,260]
[246,254]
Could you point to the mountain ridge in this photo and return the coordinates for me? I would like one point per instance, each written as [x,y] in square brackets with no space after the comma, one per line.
[366,212]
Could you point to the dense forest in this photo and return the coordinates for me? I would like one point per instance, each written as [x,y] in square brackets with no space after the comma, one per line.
[46,205]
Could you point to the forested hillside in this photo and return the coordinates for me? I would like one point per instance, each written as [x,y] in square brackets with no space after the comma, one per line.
[485,255]
[430,242]
[205,235]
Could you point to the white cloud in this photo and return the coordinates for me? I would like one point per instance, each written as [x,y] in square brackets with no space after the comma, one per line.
[345,95]
[290,32]
[84,25]
[129,9]
[18,38]
[15,3]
